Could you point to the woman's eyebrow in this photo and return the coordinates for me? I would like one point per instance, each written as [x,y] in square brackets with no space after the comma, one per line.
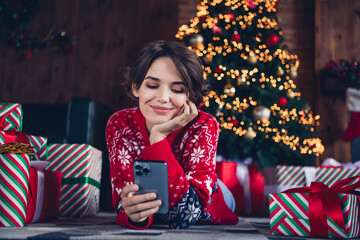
[152,78]
[158,79]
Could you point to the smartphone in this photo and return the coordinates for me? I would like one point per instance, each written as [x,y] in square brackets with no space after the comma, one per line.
[152,176]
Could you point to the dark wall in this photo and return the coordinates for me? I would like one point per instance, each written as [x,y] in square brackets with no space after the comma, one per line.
[337,36]
[109,35]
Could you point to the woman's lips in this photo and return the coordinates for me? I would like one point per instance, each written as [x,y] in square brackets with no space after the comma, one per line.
[160,110]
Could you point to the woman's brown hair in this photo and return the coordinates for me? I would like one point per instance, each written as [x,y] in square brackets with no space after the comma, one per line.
[187,63]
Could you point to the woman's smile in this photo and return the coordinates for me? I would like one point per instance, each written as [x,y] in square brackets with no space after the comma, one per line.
[160,109]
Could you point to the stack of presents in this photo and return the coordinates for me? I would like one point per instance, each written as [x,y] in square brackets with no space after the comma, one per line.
[41,181]
[320,201]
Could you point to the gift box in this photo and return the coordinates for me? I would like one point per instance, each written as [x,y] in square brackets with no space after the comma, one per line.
[10,116]
[39,143]
[246,183]
[317,211]
[44,193]
[329,175]
[81,168]
[14,179]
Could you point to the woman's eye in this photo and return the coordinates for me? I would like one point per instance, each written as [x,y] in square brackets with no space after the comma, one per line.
[151,86]
[175,90]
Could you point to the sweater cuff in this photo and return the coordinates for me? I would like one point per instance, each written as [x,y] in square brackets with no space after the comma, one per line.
[123,220]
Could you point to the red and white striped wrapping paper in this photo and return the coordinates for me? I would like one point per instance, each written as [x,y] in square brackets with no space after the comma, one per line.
[14,179]
[81,168]
[289,216]
[10,116]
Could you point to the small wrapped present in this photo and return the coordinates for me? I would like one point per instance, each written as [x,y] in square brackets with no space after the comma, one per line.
[332,171]
[81,168]
[246,183]
[10,116]
[44,193]
[14,180]
[317,211]
[39,144]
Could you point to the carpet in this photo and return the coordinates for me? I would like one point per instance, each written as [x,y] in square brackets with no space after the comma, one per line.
[104,227]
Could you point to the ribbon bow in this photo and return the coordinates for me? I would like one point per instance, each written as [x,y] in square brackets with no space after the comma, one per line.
[324,202]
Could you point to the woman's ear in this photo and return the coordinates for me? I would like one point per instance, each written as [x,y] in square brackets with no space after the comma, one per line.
[135,91]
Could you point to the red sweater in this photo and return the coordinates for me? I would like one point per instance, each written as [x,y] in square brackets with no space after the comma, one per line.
[189,153]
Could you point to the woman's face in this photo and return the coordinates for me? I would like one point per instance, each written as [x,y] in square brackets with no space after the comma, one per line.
[162,94]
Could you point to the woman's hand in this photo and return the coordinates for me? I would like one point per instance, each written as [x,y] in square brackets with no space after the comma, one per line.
[138,207]
[161,131]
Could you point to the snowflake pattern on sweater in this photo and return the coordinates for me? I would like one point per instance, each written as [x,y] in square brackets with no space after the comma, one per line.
[189,153]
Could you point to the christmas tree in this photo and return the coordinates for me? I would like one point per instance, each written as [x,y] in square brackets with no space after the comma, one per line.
[251,77]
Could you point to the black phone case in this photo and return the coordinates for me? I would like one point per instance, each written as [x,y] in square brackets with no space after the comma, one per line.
[152,176]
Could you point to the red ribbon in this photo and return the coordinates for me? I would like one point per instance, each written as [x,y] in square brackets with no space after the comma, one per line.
[16,136]
[324,202]
[2,118]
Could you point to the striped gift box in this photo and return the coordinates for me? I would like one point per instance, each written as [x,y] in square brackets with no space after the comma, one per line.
[10,116]
[290,175]
[40,147]
[39,144]
[14,180]
[81,168]
[289,216]
[331,175]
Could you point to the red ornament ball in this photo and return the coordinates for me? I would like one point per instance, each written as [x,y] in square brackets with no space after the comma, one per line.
[235,37]
[282,101]
[202,18]
[216,30]
[302,114]
[251,4]
[272,39]
[230,16]
[218,70]
[234,122]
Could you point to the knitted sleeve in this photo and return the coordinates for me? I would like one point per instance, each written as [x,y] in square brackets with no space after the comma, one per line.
[122,152]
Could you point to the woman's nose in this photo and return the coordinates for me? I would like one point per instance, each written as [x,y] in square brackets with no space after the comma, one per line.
[164,95]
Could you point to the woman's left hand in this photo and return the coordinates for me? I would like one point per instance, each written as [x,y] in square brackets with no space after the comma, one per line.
[161,131]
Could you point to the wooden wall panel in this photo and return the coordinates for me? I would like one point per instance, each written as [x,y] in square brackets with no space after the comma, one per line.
[109,34]
[337,36]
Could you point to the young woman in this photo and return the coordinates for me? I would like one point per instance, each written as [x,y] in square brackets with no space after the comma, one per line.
[167,79]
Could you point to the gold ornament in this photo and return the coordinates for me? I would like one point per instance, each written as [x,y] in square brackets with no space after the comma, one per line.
[293,73]
[196,40]
[252,59]
[250,134]
[279,72]
[241,81]
[290,94]
[261,113]
[229,90]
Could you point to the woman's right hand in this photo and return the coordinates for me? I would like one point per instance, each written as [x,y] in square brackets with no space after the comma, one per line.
[138,207]
[161,131]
